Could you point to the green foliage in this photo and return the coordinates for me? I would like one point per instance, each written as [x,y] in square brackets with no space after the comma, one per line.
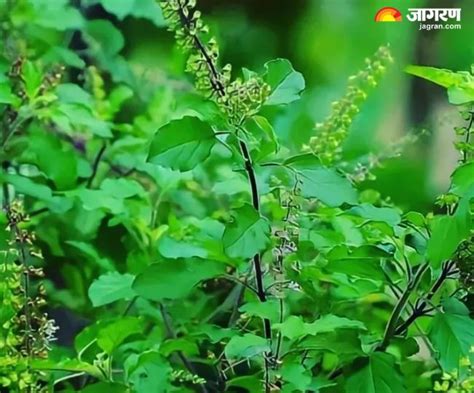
[182,144]
[376,374]
[190,244]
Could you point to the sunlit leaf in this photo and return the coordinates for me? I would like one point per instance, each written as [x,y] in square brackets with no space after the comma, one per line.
[182,144]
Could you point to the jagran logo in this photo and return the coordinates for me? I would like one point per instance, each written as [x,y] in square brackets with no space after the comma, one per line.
[390,14]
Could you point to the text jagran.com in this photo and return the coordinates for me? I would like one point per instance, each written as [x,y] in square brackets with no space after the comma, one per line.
[439,26]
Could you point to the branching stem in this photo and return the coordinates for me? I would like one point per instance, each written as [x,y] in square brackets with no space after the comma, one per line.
[400,306]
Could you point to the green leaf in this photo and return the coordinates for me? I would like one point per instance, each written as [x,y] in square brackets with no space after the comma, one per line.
[120,8]
[122,188]
[102,387]
[6,96]
[71,365]
[182,144]
[57,15]
[246,346]
[452,334]
[26,186]
[462,179]
[375,374]
[262,138]
[114,334]
[171,248]
[330,322]
[362,262]
[377,214]
[323,183]
[32,77]
[175,279]
[103,37]
[63,169]
[447,232]
[294,327]
[111,287]
[71,93]
[149,372]
[459,85]
[285,82]
[148,9]
[345,343]
[442,77]
[296,375]
[247,234]
[58,54]
[268,309]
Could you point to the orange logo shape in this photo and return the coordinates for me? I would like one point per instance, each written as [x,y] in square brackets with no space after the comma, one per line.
[388,14]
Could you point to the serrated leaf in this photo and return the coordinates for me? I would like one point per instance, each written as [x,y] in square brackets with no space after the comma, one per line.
[247,234]
[114,334]
[375,374]
[182,144]
[268,309]
[452,334]
[174,279]
[323,183]
[292,327]
[361,262]
[246,346]
[286,83]
[111,287]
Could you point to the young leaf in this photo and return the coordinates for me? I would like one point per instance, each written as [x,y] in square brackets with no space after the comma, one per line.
[375,374]
[447,232]
[262,139]
[176,278]
[111,287]
[323,183]
[247,234]
[182,144]
[286,83]
[452,334]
